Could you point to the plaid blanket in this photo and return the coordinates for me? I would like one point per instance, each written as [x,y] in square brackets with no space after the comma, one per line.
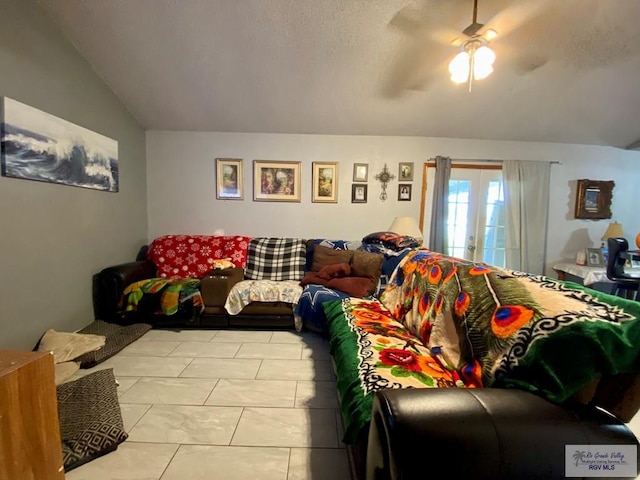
[276,259]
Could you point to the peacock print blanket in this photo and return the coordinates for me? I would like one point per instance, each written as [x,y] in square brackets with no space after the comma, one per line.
[447,322]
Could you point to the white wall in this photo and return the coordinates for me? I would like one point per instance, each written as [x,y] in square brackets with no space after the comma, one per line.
[184,163]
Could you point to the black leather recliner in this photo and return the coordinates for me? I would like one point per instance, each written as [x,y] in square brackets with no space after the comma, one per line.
[484,433]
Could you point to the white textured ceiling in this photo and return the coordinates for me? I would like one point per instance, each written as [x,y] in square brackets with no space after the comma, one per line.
[568,74]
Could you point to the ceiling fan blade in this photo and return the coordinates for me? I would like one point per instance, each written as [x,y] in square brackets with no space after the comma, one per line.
[512,17]
[447,36]
[415,67]
[408,20]
[403,70]
[519,60]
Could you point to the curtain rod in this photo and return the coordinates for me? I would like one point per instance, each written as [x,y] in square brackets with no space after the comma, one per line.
[478,160]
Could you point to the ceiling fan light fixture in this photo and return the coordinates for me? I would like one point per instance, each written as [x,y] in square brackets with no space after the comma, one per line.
[476,59]
[460,67]
[483,62]
[490,34]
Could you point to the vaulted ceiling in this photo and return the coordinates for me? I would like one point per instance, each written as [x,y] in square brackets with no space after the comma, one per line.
[566,72]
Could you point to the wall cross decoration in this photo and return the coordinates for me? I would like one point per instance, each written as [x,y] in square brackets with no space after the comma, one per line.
[384,177]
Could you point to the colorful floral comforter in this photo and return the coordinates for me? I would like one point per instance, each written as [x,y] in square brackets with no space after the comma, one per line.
[168,294]
[447,322]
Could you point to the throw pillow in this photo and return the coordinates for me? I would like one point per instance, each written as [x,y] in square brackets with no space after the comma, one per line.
[64,371]
[391,240]
[323,256]
[90,418]
[369,265]
[275,259]
[67,346]
[117,337]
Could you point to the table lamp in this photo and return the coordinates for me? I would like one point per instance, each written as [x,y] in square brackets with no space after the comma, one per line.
[614,230]
[406,226]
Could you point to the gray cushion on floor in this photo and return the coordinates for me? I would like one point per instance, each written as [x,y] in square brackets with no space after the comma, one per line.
[90,418]
[117,337]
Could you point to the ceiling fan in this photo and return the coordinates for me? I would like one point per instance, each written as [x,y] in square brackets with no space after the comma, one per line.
[416,66]
[475,61]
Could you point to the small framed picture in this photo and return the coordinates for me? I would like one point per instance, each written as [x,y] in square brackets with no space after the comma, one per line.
[405,172]
[276,181]
[229,179]
[593,199]
[360,172]
[404,192]
[325,182]
[358,193]
[594,257]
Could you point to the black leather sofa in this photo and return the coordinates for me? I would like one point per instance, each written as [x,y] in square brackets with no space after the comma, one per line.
[110,282]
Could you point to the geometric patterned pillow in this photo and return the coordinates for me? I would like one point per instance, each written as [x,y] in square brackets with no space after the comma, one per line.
[117,337]
[276,259]
[90,418]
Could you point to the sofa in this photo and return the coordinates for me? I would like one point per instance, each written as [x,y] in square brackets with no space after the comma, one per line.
[239,281]
[483,371]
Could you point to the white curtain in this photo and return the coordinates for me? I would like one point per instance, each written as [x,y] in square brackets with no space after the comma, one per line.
[439,210]
[526,197]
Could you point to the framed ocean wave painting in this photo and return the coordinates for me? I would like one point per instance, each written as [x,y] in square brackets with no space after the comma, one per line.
[39,146]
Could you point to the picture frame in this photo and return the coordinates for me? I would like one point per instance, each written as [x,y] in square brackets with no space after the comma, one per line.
[594,257]
[593,199]
[324,182]
[41,147]
[276,181]
[405,172]
[360,172]
[404,192]
[229,179]
[359,193]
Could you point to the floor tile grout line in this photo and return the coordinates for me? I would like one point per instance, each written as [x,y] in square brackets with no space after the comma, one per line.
[312,359]
[235,429]
[164,470]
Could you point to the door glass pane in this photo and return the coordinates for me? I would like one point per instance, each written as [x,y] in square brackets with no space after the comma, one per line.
[494,243]
[458,217]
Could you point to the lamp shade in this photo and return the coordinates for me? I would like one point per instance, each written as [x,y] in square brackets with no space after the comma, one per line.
[614,230]
[406,226]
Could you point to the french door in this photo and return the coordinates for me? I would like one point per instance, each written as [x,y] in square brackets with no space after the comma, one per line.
[475,225]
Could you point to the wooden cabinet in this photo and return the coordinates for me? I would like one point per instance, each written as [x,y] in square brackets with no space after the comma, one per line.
[30,447]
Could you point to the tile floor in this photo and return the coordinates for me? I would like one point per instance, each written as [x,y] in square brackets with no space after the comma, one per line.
[224,404]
